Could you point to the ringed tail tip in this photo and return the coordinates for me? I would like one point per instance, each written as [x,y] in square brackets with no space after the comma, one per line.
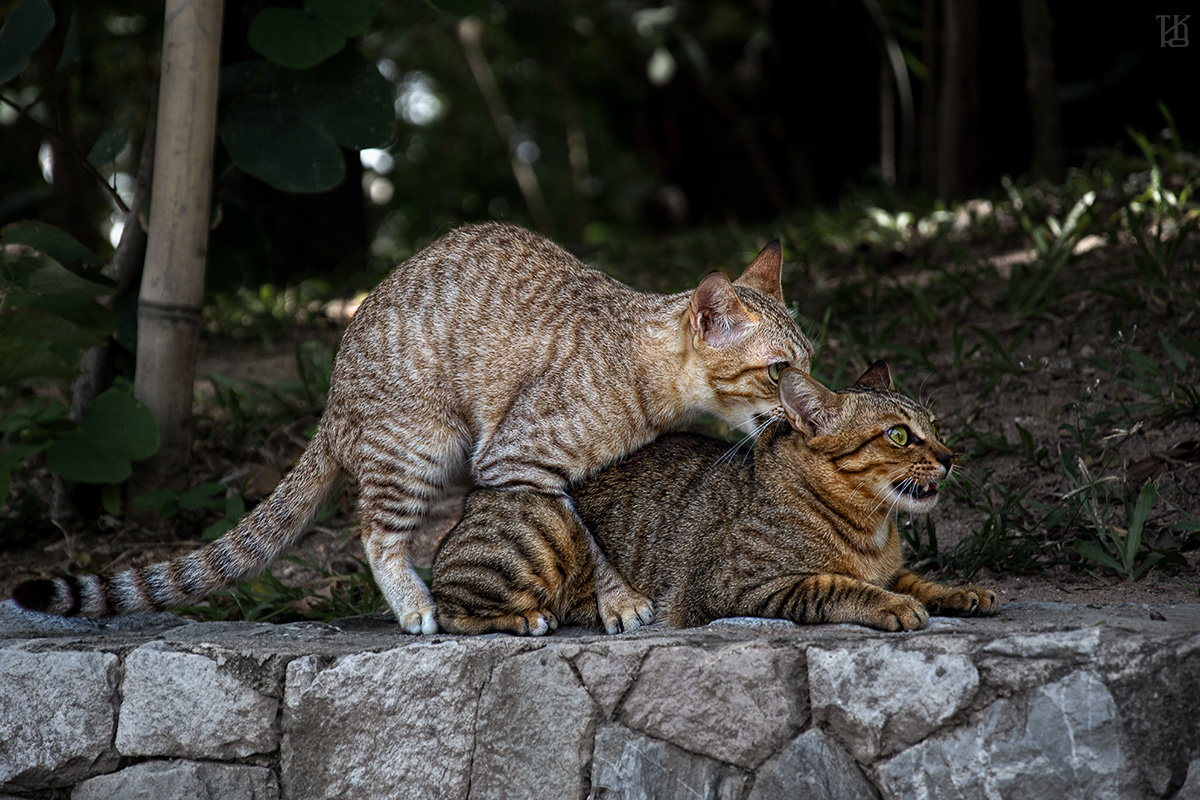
[35,595]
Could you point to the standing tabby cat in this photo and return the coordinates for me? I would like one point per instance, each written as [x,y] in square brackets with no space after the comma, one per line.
[493,351]
[806,532]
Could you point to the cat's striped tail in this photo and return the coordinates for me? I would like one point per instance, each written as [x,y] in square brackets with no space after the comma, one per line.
[246,549]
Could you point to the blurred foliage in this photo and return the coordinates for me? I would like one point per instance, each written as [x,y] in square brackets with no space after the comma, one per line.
[48,317]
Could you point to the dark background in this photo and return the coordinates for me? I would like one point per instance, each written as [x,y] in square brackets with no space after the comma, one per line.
[771,107]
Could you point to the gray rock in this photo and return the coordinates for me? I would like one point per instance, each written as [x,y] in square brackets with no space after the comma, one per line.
[1059,644]
[628,765]
[16,622]
[1159,704]
[736,702]
[1062,741]
[57,716]
[1191,786]
[607,671]
[814,767]
[400,718]
[182,780]
[879,698]
[184,704]
[533,732]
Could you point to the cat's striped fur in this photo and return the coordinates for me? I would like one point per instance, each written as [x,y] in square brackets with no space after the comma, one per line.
[492,353]
[805,531]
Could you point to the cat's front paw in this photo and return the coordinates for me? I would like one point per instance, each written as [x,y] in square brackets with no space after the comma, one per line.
[900,613]
[623,610]
[539,623]
[419,620]
[971,601]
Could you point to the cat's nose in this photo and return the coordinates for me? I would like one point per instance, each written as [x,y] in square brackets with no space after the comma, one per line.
[947,461]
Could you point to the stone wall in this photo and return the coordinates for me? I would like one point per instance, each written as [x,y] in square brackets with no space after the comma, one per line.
[1044,701]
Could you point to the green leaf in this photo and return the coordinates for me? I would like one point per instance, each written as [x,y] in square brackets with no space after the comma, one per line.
[1137,523]
[110,498]
[163,502]
[216,530]
[52,278]
[20,362]
[292,37]
[116,429]
[295,157]
[459,8]
[108,147]
[349,100]
[237,78]
[1094,552]
[202,497]
[347,17]
[76,458]
[39,327]
[71,52]
[83,310]
[1178,358]
[23,31]
[118,423]
[235,507]
[45,238]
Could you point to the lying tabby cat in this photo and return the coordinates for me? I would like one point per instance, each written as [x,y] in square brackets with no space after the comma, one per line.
[496,351]
[805,532]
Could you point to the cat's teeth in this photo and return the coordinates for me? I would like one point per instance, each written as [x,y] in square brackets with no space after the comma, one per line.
[917,492]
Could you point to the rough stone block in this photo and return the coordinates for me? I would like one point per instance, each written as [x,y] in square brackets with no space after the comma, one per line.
[736,702]
[182,780]
[628,765]
[390,719]
[812,766]
[1159,703]
[57,713]
[1060,741]
[533,731]
[608,671]
[1191,786]
[879,698]
[184,704]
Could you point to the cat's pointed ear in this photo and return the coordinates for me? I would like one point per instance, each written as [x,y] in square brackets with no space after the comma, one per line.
[764,271]
[717,314]
[877,376]
[808,405]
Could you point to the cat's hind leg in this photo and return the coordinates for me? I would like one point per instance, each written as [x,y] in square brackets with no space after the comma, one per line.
[399,477]
[500,465]
[515,563]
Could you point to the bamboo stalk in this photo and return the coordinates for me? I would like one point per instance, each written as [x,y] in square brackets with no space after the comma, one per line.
[173,280]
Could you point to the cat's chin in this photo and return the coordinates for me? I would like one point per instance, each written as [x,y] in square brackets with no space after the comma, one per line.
[913,498]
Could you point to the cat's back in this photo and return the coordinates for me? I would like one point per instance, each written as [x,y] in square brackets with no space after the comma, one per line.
[656,504]
[494,265]
[671,467]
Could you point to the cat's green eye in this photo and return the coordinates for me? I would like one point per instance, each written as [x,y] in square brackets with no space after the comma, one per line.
[775,370]
[898,435]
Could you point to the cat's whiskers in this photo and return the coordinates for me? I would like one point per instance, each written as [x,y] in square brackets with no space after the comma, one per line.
[751,436]
[858,486]
[964,476]
[887,495]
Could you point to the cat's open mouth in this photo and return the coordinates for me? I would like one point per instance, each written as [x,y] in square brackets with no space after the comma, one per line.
[916,491]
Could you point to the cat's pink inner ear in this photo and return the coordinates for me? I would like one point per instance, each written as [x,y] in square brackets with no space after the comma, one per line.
[763,273]
[717,313]
[877,376]
[807,404]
